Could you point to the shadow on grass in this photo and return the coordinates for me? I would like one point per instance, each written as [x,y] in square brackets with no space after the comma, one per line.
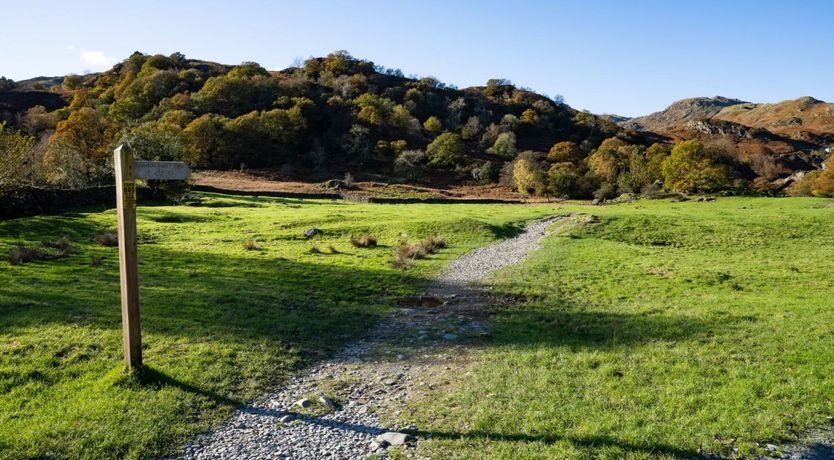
[51,228]
[582,327]
[149,377]
[505,231]
[312,307]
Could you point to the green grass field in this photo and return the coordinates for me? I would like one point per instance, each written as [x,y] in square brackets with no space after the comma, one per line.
[662,331]
[221,324]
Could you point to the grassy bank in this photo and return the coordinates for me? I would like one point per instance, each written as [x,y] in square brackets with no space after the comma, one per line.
[664,330]
[221,323]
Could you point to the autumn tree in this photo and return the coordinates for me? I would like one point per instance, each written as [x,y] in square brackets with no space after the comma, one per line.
[37,119]
[823,184]
[565,151]
[374,109]
[71,82]
[411,163]
[402,119]
[530,117]
[245,88]
[433,125]
[445,151]
[16,161]
[204,140]
[504,145]
[86,131]
[563,179]
[803,185]
[471,129]
[690,167]
[528,173]
[606,160]
[151,141]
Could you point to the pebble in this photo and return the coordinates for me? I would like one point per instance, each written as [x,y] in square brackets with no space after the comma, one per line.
[394,438]
[303,403]
[327,402]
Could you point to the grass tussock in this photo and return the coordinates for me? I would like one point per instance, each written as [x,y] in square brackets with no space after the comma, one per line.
[315,250]
[251,245]
[432,244]
[21,254]
[363,241]
[406,253]
[63,246]
[107,239]
[333,250]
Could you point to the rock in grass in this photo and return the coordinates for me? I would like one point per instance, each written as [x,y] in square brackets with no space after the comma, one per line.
[311,232]
[376,445]
[394,438]
[303,403]
[327,402]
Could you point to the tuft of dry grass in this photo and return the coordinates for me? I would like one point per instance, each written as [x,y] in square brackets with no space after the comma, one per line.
[21,254]
[432,243]
[315,250]
[363,241]
[251,245]
[401,261]
[406,253]
[107,239]
[63,245]
[333,250]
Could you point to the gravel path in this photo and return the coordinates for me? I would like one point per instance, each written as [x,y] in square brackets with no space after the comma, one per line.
[483,262]
[372,376]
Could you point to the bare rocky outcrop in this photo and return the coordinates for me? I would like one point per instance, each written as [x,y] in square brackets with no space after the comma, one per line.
[680,113]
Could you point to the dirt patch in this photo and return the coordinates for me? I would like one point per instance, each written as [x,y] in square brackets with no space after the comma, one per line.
[261,182]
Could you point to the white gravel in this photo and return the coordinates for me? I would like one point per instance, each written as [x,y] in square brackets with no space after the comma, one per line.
[483,262]
[255,432]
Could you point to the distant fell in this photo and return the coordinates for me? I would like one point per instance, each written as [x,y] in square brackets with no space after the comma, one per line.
[802,118]
[681,112]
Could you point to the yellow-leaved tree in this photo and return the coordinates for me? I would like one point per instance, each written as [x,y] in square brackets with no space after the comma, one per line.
[691,167]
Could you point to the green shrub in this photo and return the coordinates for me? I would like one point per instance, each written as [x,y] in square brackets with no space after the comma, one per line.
[445,151]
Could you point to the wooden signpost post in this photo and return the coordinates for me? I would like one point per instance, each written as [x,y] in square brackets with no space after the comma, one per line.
[127,171]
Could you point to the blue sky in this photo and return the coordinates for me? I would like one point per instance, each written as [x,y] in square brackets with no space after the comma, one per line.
[624,57]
